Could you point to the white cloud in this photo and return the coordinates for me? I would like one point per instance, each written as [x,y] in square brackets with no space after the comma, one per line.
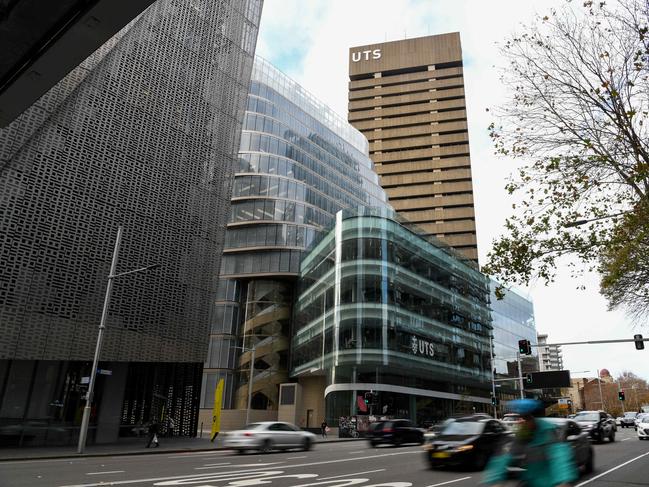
[310,40]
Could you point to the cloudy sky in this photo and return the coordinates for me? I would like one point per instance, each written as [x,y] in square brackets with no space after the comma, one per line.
[309,40]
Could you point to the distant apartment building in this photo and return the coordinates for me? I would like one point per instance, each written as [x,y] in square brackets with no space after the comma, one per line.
[407,98]
[550,357]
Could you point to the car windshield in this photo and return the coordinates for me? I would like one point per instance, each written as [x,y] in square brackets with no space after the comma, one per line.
[630,415]
[463,428]
[587,417]
[643,418]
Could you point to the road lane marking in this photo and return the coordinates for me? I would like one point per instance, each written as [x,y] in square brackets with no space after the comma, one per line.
[449,482]
[612,470]
[295,458]
[216,464]
[352,474]
[207,476]
[199,453]
[355,452]
[246,465]
[106,472]
[626,439]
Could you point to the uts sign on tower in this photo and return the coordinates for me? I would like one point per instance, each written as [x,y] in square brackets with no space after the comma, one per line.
[366,55]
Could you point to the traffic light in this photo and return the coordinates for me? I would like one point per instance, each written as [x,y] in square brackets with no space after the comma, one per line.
[494,401]
[528,378]
[639,342]
[620,395]
[524,347]
[368,397]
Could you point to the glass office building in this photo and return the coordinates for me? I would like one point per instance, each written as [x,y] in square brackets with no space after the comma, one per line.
[299,164]
[143,134]
[382,308]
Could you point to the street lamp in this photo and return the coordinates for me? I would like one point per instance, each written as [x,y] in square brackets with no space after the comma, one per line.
[83,432]
[578,223]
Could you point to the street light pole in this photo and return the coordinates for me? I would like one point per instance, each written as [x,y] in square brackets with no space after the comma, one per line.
[493,377]
[599,383]
[520,374]
[83,432]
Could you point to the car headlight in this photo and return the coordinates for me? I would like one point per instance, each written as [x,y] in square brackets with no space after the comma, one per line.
[464,448]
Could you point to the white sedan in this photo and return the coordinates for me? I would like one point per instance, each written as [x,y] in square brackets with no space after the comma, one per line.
[269,435]
[642,426]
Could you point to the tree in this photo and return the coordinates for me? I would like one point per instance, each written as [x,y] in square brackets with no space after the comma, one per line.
[577,119]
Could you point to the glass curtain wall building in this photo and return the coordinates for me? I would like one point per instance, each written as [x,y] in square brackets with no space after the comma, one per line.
[382,308]
[299,163]
[513,320]
[142,134]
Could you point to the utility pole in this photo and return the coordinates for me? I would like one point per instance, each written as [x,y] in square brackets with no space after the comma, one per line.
[252,374]
[493,377]
[601,398]
[520,374]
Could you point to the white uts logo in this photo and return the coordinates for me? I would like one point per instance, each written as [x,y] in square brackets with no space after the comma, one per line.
[366,55]
[421,347]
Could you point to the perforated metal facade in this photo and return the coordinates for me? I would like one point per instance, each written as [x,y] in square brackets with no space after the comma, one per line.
[142,134]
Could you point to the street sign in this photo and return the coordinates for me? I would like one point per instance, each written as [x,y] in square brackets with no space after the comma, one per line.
[85,380]
[548,380]
[104,372]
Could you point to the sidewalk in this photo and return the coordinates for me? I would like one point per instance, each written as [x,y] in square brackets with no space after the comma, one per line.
[127,446]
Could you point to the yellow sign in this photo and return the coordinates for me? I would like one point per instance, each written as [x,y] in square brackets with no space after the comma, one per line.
[216,412]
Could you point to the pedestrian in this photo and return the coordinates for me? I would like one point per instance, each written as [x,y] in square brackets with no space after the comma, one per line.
[324,427]
[171,424]
[153,435]
[537,450]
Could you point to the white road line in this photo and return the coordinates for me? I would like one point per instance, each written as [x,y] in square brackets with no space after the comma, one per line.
[199,453]
[105,473]
[611,470]
[295,458]
[351,474]
[626,439]
[207,475]
[449,482]
[246,465]
[216,464]
[355,452]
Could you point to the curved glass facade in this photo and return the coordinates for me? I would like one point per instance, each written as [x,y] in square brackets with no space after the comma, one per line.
[382,308]
[299,164]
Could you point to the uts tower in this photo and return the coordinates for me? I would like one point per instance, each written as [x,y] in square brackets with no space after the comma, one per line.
[407,98]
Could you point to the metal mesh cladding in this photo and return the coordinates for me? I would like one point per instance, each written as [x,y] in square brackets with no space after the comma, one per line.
[143,134]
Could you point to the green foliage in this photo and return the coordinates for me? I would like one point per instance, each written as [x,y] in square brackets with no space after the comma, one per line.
[576,118]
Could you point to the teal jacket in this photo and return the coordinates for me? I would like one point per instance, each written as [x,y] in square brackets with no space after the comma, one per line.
[550,461]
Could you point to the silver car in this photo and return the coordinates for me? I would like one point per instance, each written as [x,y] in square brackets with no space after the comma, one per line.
[269,435]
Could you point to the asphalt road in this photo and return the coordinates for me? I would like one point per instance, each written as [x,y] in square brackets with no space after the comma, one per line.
[625,462]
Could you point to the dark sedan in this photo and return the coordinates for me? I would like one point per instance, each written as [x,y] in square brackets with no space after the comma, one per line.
[466,442]
[395,432]
[598,424]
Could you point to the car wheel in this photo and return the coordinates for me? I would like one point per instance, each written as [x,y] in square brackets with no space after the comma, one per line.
[590,462]
[266,446]
[611,437]
[373,444]
[306,444]
[240,451]
[480,461]
[398,441]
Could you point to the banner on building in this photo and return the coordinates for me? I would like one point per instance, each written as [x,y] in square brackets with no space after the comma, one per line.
[216,412]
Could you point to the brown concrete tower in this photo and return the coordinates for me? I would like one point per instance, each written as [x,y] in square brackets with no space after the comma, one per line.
[407,98]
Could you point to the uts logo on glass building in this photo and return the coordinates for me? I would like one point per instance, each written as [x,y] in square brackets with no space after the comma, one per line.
[421,347]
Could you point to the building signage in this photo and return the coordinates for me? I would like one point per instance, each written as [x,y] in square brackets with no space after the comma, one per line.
[421,347]
[366,55]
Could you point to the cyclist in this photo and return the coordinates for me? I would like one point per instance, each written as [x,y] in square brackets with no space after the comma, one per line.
[543,460]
